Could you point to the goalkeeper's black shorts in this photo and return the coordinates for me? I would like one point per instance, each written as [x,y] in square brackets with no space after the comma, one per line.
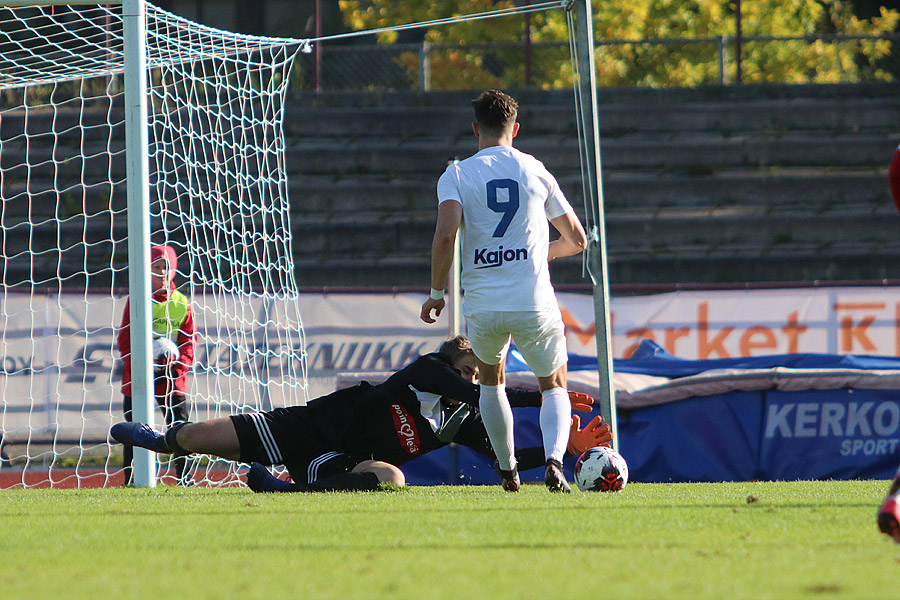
[282,436]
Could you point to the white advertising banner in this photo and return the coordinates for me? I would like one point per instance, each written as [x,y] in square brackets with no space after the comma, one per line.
[59,372]
[728,324]
[364,333]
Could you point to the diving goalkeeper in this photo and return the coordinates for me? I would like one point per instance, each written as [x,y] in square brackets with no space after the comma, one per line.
[358,437]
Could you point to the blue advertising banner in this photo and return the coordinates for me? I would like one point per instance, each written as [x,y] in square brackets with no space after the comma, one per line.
[839,434]
[769,434]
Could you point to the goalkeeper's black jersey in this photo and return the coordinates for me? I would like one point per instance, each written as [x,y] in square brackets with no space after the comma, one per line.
[386,421]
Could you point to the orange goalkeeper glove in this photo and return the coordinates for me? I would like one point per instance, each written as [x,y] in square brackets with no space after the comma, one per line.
[580,402]
[596,433]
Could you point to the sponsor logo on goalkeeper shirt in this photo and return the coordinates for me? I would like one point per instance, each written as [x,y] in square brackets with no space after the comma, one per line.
[406,429]
[486,258]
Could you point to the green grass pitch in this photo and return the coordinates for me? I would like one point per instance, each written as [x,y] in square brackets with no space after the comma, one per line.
[721,540]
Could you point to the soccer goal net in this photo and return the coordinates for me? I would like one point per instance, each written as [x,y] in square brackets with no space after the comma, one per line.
[218,197]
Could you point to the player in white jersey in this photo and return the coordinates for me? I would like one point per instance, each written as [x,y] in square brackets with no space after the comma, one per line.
[500,200]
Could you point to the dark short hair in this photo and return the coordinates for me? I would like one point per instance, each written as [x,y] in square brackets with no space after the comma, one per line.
[495,111]
[455,348]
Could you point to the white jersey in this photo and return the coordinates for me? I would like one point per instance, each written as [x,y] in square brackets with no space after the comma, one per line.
[507,198]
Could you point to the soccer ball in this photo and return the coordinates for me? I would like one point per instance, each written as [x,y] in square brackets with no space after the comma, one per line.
[601,469]
[164,351]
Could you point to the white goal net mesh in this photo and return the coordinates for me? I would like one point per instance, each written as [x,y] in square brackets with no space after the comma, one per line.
[218,194]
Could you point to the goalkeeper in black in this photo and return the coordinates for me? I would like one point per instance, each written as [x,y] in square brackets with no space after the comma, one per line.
[357,438]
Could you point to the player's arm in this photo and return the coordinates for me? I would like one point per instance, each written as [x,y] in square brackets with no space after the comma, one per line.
[449,384]
[472,434]
[572,238]
[431,374]
[531,398]
[523,398]
[449,218]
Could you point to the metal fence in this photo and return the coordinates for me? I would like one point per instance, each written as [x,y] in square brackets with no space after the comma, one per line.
[675,62]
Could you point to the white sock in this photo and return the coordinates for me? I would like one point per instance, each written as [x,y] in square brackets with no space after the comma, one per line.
[555,419]
[498,421]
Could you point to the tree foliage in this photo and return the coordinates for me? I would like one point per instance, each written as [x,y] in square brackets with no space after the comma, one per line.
[691,54]
[475,65]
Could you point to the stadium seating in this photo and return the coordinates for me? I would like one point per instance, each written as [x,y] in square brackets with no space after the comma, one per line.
[707,185]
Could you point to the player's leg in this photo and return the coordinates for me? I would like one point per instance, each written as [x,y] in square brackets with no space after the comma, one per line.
[386,472]
[889,512]
[556,414]
[127,450]
[216,437]
[554,417]
[329,472]
[540,338]
[175,410]
[288,436]
[368,475]
[496,414]
[490,343]
[340,472]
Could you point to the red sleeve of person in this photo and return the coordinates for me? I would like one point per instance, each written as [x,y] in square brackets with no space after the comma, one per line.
[186,339]
[894,178]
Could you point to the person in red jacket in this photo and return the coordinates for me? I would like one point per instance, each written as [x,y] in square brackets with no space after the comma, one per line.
[174,338]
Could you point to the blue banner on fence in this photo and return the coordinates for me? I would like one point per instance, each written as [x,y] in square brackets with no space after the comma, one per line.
[736,436]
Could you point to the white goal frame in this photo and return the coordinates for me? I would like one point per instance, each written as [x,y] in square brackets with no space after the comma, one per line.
[139,202]
[134,21]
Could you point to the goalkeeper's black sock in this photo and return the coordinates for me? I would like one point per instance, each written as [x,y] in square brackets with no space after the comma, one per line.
[343,482]
[172,445]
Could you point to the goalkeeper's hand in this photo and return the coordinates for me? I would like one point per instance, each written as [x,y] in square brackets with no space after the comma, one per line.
[165,373]
[596,433]
[580,402]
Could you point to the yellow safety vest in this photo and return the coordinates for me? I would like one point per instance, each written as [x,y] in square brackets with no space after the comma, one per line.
[168,316]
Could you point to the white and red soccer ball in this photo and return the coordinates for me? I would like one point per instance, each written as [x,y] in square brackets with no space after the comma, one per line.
[601,469]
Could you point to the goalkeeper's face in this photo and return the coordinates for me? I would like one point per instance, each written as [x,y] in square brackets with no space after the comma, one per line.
[160,274]
[468,367]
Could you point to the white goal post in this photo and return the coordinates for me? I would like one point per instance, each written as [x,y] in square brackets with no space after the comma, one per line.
[102,155]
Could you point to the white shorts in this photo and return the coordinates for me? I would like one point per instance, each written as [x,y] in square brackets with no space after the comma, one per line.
[539,336]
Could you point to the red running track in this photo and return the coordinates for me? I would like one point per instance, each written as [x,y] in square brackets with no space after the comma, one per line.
[82,478]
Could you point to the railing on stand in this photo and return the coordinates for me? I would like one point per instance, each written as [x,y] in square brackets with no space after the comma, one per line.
[669,62]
